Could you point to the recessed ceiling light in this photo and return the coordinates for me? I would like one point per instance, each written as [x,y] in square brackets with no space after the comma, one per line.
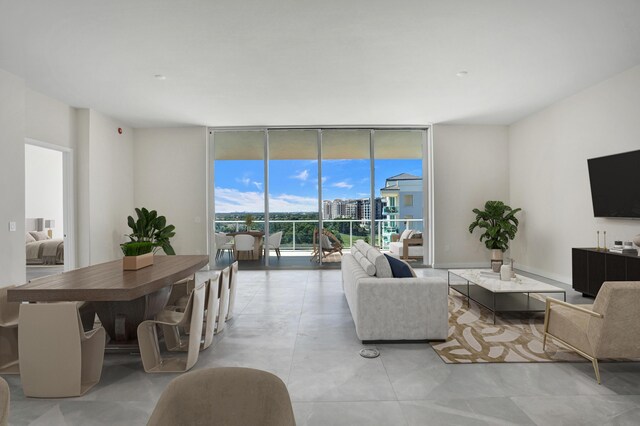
[160,77]
[462,73]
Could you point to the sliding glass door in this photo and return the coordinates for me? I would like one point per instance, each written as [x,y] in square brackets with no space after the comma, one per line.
[298,185]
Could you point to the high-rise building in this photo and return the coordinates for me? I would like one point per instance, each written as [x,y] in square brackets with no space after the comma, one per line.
[326,209]
[338,208]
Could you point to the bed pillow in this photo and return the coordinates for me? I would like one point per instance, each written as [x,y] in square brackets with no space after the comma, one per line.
[39,235]
[399,268]
[28,238]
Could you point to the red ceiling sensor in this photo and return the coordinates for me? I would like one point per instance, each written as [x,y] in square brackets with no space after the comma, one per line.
[119,130]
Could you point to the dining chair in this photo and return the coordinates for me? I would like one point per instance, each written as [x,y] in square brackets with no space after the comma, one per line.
[212,302]
[274,243]
[5,399]
[223,242]
[244,243]
[230,396]
[233,286]
[152,360]
[57,357]
[8,334]
[223,295]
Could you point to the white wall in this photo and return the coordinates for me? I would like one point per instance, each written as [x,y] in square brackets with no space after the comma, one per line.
[49,120]
[170,177]
[111,186]
[43,186]
[470,167]
[12,125]
[549,179]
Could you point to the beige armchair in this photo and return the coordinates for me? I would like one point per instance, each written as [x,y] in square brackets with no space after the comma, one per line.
[8,334]
[230,396]
[607,329]
[57,357]
[4,402]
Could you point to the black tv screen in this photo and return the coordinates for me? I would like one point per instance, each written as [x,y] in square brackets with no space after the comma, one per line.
[615,185]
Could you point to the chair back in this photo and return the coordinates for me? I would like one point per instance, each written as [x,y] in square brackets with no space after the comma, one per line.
[617,334]
[275,239]
[221,239]
[50,335]
[244,242]
[8,310]
[223,286]
[195,323]
[211,303]
[231,396]
[233,285]
[4,402]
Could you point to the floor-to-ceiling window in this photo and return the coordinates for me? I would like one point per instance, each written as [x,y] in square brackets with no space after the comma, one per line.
[353,183]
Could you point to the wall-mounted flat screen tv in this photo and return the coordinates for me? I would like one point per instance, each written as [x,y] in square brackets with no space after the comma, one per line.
[615,185]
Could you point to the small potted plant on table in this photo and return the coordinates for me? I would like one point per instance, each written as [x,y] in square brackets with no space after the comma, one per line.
[150,234]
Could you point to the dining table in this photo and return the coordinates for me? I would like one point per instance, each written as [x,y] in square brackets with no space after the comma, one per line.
[121,299]
[257,243]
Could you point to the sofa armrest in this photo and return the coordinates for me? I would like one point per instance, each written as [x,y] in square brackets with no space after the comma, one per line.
[402,308]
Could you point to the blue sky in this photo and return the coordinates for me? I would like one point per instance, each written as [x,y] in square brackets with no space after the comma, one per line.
[293,186]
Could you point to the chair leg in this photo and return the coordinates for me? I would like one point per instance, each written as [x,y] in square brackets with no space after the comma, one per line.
[278,252]
[596,369]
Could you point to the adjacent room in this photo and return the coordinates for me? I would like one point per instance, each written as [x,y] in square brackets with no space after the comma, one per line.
[319,213]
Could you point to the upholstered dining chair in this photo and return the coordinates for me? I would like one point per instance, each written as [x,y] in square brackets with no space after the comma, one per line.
[57,357]
[607,329]
[171,322]
[8,334]
[175,342]
[223,301]
[229,396]
[233,286]
[223,242]
[274,243]
[4,402]
[244,243]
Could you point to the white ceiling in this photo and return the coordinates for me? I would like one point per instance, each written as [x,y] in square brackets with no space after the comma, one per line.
[334,62]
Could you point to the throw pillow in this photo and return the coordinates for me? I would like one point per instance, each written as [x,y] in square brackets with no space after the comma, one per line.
[28,238]
[406,234]
[39,235]
[368,267]
[325,242]
[399,269]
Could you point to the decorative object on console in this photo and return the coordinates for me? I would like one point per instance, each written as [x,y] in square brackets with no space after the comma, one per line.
[636,240]
[500,225]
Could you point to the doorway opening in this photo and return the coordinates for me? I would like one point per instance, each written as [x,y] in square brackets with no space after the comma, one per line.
[48,209]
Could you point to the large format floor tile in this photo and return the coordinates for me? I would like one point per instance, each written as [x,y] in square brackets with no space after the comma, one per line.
[297,325]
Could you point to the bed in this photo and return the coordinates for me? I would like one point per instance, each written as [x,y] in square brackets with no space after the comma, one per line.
[41,249]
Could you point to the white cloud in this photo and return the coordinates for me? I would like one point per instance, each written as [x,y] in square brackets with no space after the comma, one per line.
[230,200]
[258,185]
[342,185]
[303,175]
[245,181]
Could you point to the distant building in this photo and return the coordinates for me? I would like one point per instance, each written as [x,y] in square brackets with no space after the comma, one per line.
[326,210]
[338,208]
[402,195]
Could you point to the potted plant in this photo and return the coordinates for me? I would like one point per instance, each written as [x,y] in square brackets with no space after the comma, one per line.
[137,255]
[150,233]
[500,226]
[248,220]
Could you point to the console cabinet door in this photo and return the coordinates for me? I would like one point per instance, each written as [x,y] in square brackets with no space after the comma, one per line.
[616,268]
[633,269]
[579,270]
[597,272]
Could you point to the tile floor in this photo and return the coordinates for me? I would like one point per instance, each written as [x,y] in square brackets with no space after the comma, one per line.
[297,325]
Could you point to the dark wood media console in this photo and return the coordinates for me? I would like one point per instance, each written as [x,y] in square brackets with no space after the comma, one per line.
[592,267]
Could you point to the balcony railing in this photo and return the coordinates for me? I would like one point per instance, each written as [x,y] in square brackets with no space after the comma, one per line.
[298,234]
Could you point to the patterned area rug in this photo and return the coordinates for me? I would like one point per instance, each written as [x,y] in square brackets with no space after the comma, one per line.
[514,338]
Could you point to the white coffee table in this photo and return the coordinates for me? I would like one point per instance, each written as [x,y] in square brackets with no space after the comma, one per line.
[486,288]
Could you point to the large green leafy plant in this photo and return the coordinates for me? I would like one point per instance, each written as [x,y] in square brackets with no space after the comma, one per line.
[149,227]
[499,223]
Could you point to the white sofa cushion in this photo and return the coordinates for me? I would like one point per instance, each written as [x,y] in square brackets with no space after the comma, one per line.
[383,270]
[366,265]
[407,233]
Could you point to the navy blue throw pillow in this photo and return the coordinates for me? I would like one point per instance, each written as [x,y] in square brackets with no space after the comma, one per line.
[399,269]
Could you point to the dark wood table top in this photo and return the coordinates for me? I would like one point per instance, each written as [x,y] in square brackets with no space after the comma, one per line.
[108,282]
[252,233]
